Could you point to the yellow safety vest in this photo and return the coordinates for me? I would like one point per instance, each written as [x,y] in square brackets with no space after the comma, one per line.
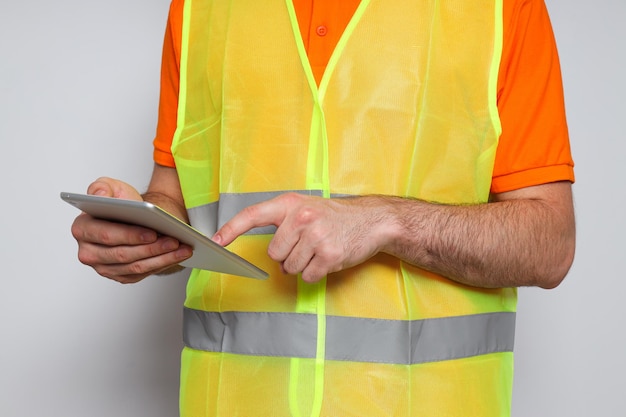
[406,107]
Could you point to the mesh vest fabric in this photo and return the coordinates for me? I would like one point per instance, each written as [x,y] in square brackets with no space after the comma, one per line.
[406,107]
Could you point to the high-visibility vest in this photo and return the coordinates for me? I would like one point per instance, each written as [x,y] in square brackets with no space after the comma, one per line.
[406,107]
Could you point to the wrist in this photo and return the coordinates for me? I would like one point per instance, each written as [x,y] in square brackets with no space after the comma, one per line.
[386,222]
[404,232]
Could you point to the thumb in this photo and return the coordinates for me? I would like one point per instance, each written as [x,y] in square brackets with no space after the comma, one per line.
[109,187]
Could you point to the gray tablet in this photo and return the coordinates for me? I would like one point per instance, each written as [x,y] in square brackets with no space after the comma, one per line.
[206,253]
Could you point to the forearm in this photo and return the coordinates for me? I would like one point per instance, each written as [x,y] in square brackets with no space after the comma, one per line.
[523,242]
[168,204]
[164,191]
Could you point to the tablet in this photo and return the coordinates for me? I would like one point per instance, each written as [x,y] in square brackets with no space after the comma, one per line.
[206,253]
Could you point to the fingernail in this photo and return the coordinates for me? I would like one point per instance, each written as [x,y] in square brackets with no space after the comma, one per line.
[217,239]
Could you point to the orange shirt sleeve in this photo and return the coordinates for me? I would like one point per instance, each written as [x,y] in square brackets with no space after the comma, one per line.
[168,101]
[534,145]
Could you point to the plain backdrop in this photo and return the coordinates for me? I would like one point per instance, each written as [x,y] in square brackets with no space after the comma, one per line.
[78,100]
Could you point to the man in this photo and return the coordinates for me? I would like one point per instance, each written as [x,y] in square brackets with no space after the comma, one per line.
[399,169]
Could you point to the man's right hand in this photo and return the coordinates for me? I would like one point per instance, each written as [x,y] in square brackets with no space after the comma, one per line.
[122,252]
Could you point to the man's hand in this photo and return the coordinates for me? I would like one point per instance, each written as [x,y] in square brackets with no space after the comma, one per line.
[522,238]
[315,236]
[121,252]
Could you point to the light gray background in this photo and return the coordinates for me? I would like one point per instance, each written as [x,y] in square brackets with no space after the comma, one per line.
[78,99]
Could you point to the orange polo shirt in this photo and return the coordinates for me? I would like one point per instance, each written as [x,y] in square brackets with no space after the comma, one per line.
[534,146]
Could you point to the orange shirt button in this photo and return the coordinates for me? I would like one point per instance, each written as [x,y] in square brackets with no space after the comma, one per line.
[321,30]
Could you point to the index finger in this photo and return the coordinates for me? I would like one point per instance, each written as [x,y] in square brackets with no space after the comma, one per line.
[267,213]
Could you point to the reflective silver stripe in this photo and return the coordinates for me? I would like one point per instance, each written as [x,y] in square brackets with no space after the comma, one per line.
[348,338]
[210,217]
